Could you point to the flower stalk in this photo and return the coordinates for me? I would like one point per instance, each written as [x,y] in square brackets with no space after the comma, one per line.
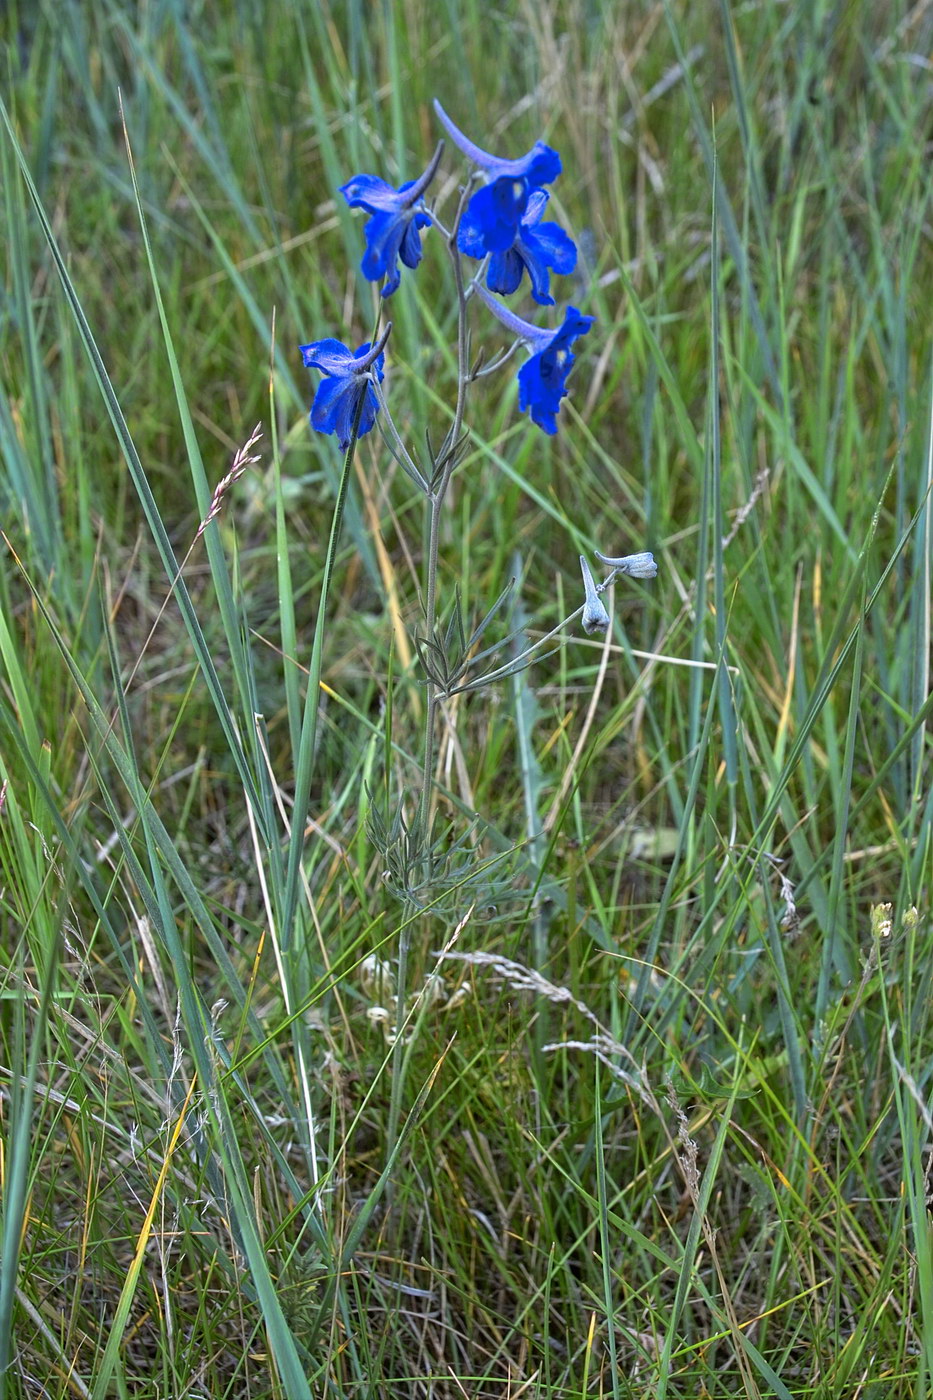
[499,224]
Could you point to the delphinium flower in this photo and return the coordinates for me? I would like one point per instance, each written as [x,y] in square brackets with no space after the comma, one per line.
[347,387]
[398,215]
[536,248]
[595,617]
[502,218]
[542,379]
[635,565]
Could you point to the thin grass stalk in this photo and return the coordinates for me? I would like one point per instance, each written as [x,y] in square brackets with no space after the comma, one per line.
[792,1031]
[916,1132]
[30,461]
[724,683]
[223,1139]
[658,928]
[286,591]
[220,576]
[836,653]
[18,1134]
[750,144]
[920,609]
[834,955]
[737,250]
[526,711]
[128,447]
[699,1187]
[105,1375]
[128,773]
[606,1250]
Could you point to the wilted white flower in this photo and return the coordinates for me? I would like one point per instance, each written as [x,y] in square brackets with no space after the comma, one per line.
[377,978]
[635,565]
[595,617]
[434,989]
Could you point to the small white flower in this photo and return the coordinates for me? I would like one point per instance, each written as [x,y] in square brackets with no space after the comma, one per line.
[635,565]
[595,617]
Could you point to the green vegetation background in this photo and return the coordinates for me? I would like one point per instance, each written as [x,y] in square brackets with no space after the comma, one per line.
[665,1122]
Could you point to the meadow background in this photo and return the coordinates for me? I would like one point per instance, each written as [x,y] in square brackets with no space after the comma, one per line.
[663,1128]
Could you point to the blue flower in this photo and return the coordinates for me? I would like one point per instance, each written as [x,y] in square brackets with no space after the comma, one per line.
[495,212]
[542,379]
[536,247]
[347,387]
[393,232]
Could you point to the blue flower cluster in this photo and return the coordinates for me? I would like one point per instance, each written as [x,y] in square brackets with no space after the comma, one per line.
[503,218]
[503,227]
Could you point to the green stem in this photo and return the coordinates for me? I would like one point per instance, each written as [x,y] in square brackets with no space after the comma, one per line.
[436,500]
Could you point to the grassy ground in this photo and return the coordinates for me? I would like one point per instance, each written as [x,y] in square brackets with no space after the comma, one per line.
[661,1121]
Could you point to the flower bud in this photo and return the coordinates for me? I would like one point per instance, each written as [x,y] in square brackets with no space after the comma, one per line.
[595,617]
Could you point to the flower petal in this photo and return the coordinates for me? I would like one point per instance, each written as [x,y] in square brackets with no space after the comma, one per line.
[538,395]
[542,247]
[505,271]
[534,211]
[329,356]
[493,216]
[371,193]
[335,407]
[547,246]
[367,417]
[383,233]
[329,403]
[575,324]
[470,235]
[410,249]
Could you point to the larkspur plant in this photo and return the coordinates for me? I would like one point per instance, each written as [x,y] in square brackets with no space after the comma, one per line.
[497,224]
